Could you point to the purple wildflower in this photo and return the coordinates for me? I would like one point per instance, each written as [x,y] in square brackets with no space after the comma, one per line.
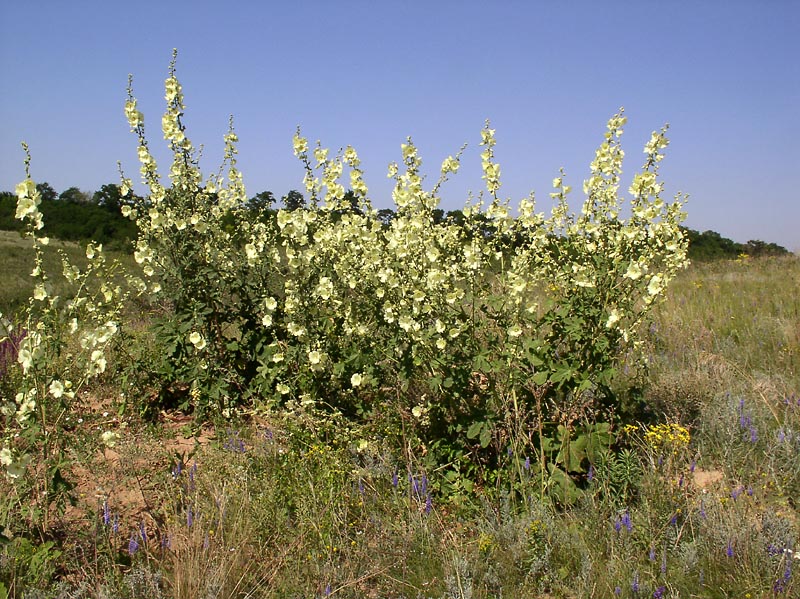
[635,582]
[395,479]
[115,524]
[189,517]
[143,532]
[428,504]
[590,473]
[626,521]
[692,466]
[234,442]
[106,513]
[659,592]
[133,545]
[617,524]
[527,464]
[779,586]
[729,549]
[618,590]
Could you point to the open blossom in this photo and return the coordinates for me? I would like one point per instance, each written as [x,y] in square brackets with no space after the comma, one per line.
[450,165]
[56,389]
[356,379]
[197,340]
[634,271]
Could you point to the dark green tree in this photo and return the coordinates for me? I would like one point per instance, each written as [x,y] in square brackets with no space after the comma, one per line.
[47,192]
[109,197]
[261,201]
[294,200]
[386,216]
[75,195]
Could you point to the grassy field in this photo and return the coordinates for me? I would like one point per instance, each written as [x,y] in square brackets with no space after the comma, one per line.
[303,505]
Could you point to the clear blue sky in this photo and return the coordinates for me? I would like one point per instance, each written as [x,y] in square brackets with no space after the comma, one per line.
[725,74]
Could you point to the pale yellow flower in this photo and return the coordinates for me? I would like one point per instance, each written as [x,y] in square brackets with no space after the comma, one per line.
[197,340]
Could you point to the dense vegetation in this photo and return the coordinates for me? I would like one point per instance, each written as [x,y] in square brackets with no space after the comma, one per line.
[395,405]
[80,216]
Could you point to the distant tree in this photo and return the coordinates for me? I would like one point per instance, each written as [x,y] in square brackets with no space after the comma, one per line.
[456,217]
[351,200]
[109,197]
[47,192]
[438,216]
[756,248]
[386,216]
[8,209]
[294,200]
[261,201]
[75,195]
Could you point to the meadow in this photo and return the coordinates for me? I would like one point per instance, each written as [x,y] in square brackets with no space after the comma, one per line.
[697,500]
[324,404]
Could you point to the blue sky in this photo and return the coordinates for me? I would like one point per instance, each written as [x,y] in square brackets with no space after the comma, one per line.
[725,74]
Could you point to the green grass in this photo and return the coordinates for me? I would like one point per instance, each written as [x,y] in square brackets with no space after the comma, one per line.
[16,265]
[303,504]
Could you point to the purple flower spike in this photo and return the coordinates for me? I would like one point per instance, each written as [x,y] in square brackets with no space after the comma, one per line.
[133,545]
[626,521]
[527,464]
[729,549]
[395,479]
[635,582]
[106,513]
[659,592]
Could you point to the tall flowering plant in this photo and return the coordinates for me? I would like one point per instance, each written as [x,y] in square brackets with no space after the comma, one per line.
[65,346]
[329,305]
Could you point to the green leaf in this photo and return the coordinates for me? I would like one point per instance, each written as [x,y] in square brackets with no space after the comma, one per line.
[540,378]
[475,429]
[486,436]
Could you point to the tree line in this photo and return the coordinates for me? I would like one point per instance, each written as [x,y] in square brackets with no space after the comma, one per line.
[76,215]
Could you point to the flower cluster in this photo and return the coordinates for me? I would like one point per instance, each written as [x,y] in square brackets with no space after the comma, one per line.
[329,300]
